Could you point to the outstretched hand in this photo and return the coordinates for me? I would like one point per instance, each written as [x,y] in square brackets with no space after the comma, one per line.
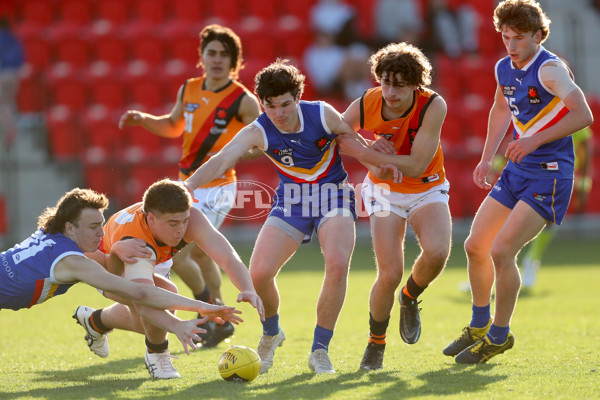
[130,118]
[220,314]
[186,331]
[254,299]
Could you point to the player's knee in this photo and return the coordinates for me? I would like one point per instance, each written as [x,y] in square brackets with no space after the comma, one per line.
[261,276]
[502,257]
[389,279]
[337,267]
[473,248]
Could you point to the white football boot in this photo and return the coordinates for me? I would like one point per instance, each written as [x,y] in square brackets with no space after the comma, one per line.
[319,362]
[96,341]
[266,349]
[160,365]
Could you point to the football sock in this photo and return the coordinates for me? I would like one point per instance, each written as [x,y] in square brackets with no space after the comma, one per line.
[378,330]
[157,348]
[322,338]
[96,322]
[204,296]
[411,290]
[480,317]
[271,325]
[498,334]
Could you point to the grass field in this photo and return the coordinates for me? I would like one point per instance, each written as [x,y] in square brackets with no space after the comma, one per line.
[556,355]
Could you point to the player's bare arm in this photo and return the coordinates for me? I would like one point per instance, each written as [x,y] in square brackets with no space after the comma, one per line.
[555,77]
[423,149]
[351,118]
[201,231]
[81,269]
[168,125]
[246,139]
[498,123]
[248,112]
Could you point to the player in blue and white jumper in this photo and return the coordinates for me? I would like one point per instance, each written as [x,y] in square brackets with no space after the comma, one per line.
[54,258]
[536,91]
[299,137]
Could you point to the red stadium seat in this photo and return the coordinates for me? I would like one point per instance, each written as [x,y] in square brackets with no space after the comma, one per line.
[115,11]
[75,11]
[107,44]
[293,36]
[268,10]
[189,10]
[63,133]
[32,91]
[106,86]
[37,48]
[101,178]
[227,10]
[150,10]
[103,138]
[257,40]
[144,43]
[66,87]
[38,11]
[182,40]
[142,176]
[300,9]
[69,44]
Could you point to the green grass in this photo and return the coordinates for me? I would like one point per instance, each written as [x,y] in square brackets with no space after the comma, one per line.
[556,355]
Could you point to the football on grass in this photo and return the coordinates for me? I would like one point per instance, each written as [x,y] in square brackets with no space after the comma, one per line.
[239,364]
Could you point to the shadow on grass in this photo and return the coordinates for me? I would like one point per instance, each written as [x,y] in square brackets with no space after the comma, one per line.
[98,381]
[107,380]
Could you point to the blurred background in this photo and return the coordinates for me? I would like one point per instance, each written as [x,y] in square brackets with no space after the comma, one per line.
[70,68]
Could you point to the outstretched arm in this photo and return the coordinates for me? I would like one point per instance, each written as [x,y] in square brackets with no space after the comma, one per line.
[169,125]
[217,247]
[246,139]
[77,268]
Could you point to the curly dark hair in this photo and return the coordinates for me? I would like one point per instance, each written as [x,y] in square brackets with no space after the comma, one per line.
[522,16]
[279,78]
[167,196]
[231,42]
[68,209]
[405,59]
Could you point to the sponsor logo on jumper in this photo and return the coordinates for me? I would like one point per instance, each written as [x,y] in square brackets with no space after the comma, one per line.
[322,143]
[534,95]
[191,107]
[387,136]
[284,152]
[508,90]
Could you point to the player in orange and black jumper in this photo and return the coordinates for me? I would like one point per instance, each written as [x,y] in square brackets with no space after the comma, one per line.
[208,113]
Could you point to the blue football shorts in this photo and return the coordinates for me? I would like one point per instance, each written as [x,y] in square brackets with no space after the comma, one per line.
[306,207]
[548,197]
